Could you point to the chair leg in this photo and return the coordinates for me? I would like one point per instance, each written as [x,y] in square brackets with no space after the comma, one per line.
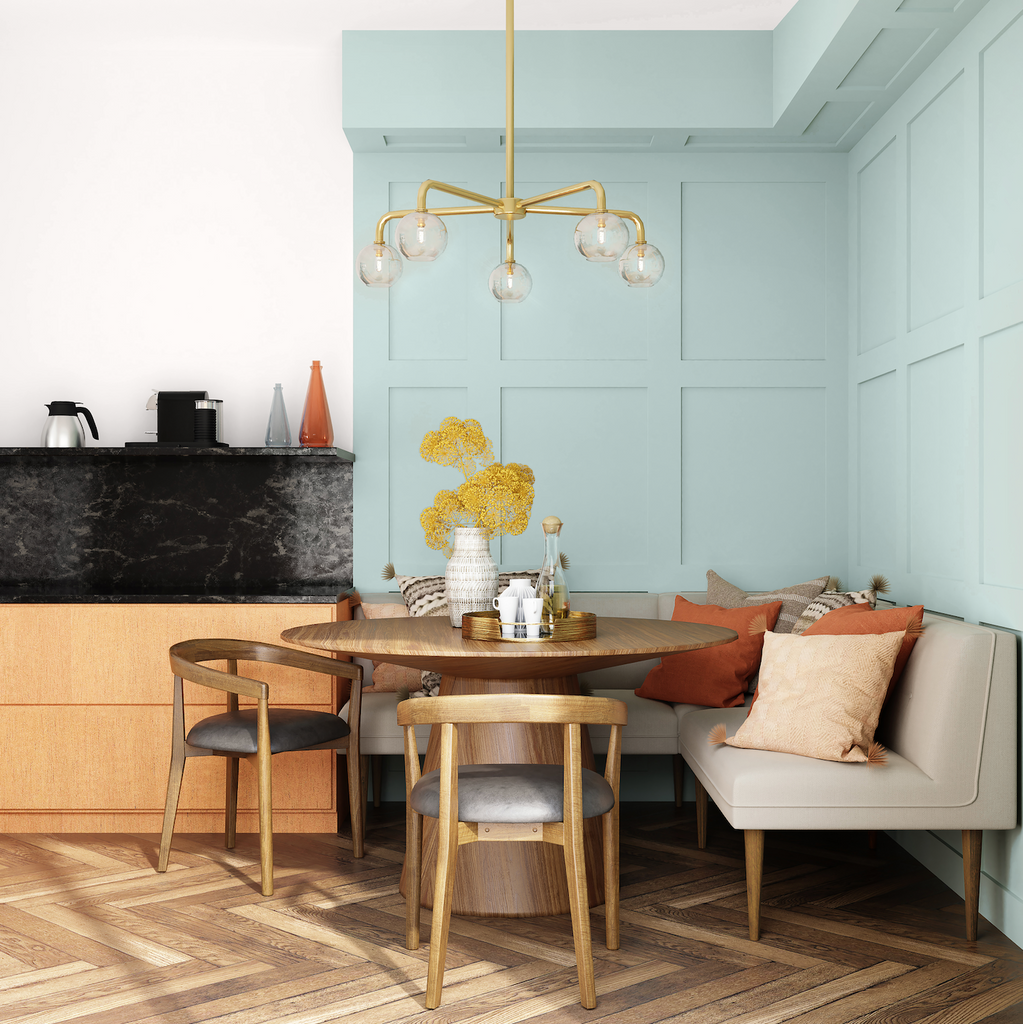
[575,869]
[447,853]
[264,774]
[413,875]
[971,878]
[170,808]
[231,803]
[612,930]
[357,810]
[701,814]
[754,875]
[364,771]
[378,777]
[678,767]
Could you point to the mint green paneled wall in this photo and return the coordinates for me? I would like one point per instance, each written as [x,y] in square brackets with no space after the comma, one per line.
[690,426]
[936,365]
[769,239]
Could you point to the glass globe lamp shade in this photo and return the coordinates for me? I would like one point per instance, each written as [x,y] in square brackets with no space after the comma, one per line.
[510,282]
[601,237]
[379,265]
[421,237]
[641,265]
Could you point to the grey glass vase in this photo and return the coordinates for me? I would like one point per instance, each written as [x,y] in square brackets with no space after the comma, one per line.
[278,432]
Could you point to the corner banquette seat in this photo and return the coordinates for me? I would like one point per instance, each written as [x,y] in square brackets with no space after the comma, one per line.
[950,730]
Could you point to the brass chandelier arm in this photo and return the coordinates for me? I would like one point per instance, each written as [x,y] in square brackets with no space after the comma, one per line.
[450,211]
[572,211]
[454,190]
[571,190]
[378,237]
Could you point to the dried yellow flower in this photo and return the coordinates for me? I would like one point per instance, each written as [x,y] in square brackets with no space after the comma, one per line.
[495,498]
[458,443]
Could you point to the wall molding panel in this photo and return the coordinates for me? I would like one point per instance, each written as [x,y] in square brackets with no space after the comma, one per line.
[935,246]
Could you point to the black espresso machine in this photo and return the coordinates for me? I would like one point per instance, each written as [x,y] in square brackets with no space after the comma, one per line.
[186,419]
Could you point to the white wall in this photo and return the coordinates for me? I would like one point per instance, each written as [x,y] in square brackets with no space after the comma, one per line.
[175,215]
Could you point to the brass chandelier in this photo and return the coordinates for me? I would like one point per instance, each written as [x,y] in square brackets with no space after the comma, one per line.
[602,235]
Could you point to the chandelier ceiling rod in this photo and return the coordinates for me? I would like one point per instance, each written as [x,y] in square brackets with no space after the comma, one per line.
[601,235]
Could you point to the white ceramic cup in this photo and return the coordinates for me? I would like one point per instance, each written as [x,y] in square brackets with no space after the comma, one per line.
[532,608]
[507,606]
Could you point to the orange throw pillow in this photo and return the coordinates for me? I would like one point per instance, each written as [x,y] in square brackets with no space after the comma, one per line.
[715,676]
[859,619]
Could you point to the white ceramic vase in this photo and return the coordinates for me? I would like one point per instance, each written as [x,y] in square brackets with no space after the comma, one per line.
[471,575]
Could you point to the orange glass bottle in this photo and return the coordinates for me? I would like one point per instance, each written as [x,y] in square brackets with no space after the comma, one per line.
[317,430]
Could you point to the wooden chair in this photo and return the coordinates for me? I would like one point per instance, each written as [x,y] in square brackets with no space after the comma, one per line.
[257,733]
[511,803]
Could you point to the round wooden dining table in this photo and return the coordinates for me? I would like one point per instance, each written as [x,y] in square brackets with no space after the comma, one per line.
[508,879]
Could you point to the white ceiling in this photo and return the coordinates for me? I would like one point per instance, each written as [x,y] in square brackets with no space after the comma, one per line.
[310,21]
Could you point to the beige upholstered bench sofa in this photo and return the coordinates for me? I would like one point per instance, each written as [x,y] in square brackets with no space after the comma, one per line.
[950,731]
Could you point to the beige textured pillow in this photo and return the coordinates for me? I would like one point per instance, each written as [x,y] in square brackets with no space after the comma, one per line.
[793,599]
[819,696]
[390,678]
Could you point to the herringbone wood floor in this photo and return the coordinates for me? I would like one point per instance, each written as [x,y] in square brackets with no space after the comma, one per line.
[90,933]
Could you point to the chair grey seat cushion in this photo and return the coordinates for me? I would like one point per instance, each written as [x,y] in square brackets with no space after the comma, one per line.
[512,793]
[290,729]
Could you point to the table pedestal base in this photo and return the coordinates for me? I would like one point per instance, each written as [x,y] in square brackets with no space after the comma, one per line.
[510,879]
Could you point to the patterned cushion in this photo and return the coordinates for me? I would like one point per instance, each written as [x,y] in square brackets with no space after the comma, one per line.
[819,696]
[423,595]
[426,595]
[793,599]
[828,601]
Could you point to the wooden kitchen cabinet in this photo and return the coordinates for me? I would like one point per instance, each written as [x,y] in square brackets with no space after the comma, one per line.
[85,720]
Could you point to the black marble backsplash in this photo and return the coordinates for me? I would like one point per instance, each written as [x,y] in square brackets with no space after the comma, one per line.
[175,524]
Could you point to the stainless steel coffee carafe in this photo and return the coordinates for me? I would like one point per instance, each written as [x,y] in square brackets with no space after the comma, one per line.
[63,428]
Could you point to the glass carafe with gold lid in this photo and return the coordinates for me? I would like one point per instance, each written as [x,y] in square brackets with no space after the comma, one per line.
[550,584]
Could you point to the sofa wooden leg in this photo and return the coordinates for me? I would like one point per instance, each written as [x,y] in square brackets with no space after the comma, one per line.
[678,766]
[754,874]
[701,815]
[872,840]
[971,879]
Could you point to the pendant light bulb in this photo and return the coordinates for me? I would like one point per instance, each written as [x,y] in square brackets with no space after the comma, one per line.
[641,265]
[510,282]
[601,237]
[421,236]
[379,265]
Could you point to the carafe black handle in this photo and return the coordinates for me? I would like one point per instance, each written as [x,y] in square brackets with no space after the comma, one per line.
[89,420]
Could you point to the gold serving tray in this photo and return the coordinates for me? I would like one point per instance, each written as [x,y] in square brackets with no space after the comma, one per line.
[487,626]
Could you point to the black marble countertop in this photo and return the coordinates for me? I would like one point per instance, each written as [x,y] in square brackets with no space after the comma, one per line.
[65,593]
[180,450]
[159,524]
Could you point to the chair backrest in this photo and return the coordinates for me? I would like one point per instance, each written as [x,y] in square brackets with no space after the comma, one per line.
[186,660]
[559,709]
